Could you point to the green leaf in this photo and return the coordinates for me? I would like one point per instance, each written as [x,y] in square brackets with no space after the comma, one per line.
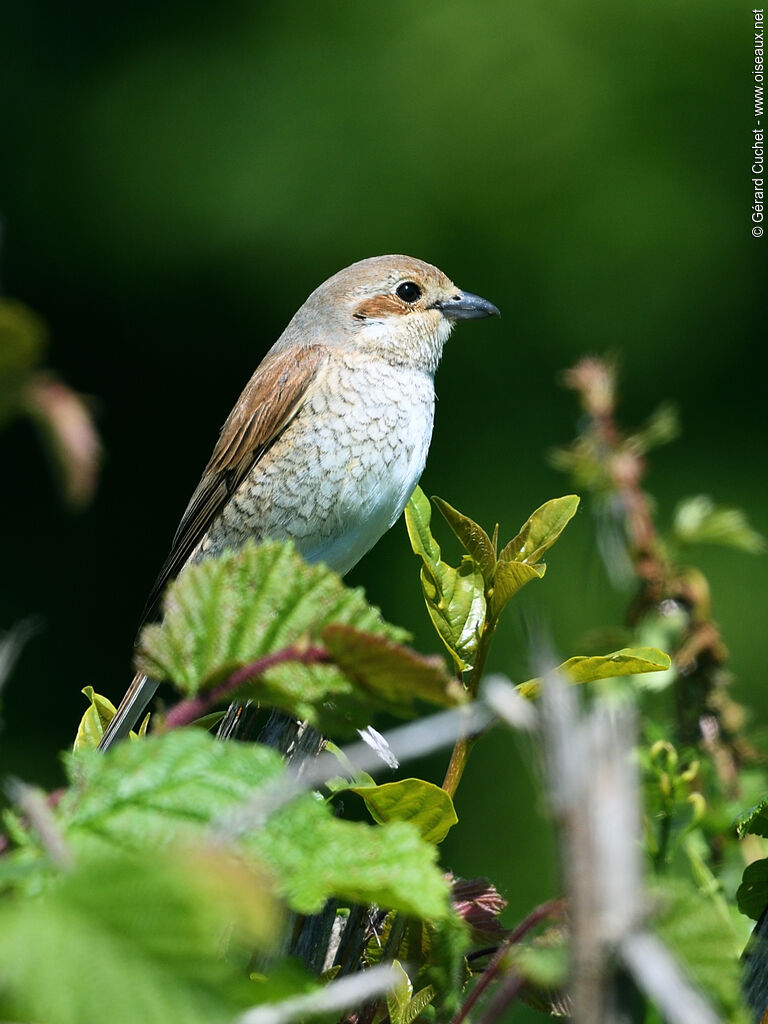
[399,996]
[421,803]
[541,531]
[753,821]
[22,341]
[455,598]
[508,579]
[418,1004]
[228,611]
[100,713]
[96,719]
[473,538]
[153,938]
[698,520]
[629,661]
[752,894]
[692,924]
[396,674]
[544,966]
[170,788]
[661,427]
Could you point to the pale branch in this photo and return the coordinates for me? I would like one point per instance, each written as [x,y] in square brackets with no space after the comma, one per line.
[595,793]
[348,993]
[35,807]
[416,739]
[658,975]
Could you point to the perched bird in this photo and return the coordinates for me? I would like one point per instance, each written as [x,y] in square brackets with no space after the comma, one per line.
[330,436]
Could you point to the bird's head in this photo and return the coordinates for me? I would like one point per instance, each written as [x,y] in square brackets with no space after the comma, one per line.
[399,308]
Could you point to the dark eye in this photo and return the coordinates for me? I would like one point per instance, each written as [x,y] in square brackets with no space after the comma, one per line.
[408,291]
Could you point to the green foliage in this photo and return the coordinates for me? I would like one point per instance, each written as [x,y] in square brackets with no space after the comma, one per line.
[629,661]
[94,722]
[155,937]
[464,603]
[174,788]
[402,1005]
[455,598]
[752,894]
[170,862]
[698,520]
[389,672]
[227,612]
[544,966]
[473,538]
[754,820]
[421,803]
[585,458]
[434,950]
[540,531]
[22,343]
[704,939]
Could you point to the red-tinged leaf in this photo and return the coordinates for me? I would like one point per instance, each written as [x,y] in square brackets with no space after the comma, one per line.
[387,669]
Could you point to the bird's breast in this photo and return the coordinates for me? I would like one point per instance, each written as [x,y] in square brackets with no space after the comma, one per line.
[342,471]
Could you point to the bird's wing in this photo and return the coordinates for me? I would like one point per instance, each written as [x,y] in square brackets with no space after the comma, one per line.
[271,399]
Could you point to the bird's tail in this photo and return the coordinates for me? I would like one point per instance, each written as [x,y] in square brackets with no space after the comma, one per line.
[139,694]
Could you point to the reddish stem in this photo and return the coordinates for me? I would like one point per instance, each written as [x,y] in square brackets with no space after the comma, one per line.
[187,711]
[552,908]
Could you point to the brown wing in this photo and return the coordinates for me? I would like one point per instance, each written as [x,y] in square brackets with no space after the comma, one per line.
[271,399]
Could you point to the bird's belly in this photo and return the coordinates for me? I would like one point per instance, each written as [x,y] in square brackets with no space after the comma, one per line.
[371,494]
[340,475]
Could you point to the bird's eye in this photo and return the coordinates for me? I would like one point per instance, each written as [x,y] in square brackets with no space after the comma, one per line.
[408,291]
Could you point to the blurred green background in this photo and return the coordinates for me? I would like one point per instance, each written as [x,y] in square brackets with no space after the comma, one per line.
[177,177]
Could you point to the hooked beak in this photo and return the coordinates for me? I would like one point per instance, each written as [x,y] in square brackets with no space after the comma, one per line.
[466,306]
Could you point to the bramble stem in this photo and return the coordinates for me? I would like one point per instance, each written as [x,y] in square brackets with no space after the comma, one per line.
[187,711]
[551,909]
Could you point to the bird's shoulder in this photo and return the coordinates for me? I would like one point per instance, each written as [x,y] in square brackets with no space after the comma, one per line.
[271,398]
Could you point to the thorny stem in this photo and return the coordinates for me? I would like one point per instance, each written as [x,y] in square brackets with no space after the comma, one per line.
[702,650]
[463,746]
[187,711]
[550,909]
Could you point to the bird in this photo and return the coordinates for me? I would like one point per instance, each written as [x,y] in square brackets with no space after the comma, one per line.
[330,436]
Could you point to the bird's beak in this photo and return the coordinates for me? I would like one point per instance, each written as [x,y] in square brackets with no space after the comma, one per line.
[466,306]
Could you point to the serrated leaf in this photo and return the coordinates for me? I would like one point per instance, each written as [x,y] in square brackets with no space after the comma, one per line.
[170,788]
[418,1004]
[694,926]
[752,894]
[541,530]
[154,938]
[472,537]
[509,578]
[228,611]
[421,803]
[393,673]
[629,661]
[399,995]
[753,821]
[455,598]
[698,520]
